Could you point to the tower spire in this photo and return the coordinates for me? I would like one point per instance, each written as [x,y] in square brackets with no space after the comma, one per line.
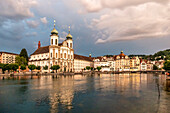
[54,23]
[69,29]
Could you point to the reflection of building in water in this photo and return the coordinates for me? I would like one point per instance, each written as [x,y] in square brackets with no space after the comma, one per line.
[63,94]
[125,84]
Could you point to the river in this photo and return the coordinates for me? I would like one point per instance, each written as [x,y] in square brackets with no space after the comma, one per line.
[104,93]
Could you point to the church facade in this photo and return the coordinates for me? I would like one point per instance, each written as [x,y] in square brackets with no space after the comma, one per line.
[61,54]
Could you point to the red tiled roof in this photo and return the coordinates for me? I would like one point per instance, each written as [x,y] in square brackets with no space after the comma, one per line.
[60,44]
[8,53]
[41,50]
[80,57]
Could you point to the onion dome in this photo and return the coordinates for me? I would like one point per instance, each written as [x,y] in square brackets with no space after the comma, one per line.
[69,36]
[54,31]
[122,54]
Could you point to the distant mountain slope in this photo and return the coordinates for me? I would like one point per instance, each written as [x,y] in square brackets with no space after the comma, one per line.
[160,55]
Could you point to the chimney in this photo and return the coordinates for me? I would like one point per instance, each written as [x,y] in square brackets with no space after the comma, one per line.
[39,44]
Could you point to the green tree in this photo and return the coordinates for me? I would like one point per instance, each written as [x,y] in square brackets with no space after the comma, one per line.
[155,67]
[99,68]
[55,67]
[88,67]
[23,67]
[167,65]
[4,67]
[21,60]
[9,67]
[45,67]
[91,68]
[24,54]
[38,67]
[14,67]
[1,65]
[32,67]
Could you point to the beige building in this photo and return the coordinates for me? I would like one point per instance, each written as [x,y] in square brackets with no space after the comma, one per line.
[80,62]
[7,58]
[122,62]
[135,64]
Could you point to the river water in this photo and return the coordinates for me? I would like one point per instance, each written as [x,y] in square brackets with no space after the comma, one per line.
[104,93]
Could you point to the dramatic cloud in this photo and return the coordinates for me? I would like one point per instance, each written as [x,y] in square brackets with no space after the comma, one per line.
[11,31]
[92,21]
[16,9]
[133,23]
[31,34]
[97,5]
[44,20]
[32,24]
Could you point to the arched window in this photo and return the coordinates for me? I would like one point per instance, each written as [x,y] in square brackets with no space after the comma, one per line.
[55,41]
[56,55]
[51,41]
[71,45]
[64,55]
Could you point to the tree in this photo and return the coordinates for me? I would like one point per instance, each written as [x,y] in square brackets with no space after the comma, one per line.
[23,67]
[88,67]
[38,67]
[24,54]
[32,67]
[55,67]
[98,68]
[45,67]
[21,60]
[91,68]
[167,65]
[1,65]
[9,67]
[4,67]
[155,67]
[14,67]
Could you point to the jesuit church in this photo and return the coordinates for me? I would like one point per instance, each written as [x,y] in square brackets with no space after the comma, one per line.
[61,54]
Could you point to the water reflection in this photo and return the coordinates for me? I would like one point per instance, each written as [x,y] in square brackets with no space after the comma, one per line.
[92,93]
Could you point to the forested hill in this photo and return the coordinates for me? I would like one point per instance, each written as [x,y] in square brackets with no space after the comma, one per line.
[160,55]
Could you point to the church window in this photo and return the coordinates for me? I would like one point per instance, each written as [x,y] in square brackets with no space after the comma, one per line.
[51,55]
[56,55]
[70,45]
[55,41]
[64,55]
[51,41]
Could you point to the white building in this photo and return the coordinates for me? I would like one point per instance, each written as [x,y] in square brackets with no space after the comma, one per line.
[61,54]
[7,58]
[143,65]
[80,62]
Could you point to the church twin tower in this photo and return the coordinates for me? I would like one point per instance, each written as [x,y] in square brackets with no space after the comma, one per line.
[61,54]
[54,37]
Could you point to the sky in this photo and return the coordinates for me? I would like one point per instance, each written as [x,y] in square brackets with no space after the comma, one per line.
[98,27]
